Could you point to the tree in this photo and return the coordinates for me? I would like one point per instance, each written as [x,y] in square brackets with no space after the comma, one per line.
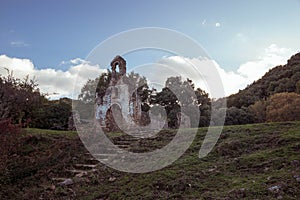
[180,96]
[54,115]
[167,99]
[283,78]
[100,85]
[258,110]
[236,116]
[298,87]
[204,103]
[283,107]
[139,85]
[19,99]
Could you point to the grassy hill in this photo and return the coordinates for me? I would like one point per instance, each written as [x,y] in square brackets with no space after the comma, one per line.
[283,78]
[258,161]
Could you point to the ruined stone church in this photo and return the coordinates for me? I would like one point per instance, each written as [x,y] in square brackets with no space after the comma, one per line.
[120,106]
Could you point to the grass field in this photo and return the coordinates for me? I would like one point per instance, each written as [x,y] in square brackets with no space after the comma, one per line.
[258,161]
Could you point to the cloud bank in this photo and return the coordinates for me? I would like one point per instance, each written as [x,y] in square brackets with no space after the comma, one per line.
[232,81]
[58,83]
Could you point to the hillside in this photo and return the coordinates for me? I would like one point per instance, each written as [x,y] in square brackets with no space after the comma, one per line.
[283,78]
[259,161]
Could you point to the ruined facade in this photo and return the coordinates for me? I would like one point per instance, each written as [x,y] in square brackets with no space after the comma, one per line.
[120,106]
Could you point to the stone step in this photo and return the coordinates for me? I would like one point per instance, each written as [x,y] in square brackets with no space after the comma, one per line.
[79,171]
[92,161]
[61,182]
[123,146]
[127,139]
[105,151]
[122,142]
[105,154]
[104,157]
[85,166]
[58,179]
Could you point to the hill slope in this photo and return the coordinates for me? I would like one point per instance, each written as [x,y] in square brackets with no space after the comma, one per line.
[259,161]
[284,78]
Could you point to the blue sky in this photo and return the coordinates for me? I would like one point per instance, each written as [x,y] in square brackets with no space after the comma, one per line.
[232,32]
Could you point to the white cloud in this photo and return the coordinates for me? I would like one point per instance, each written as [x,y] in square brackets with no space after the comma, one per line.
[18,44]
[273,56]
[57,83]
[201,70]
[203,77]
[218,24]
[77,61]
[20,67]
[198,69]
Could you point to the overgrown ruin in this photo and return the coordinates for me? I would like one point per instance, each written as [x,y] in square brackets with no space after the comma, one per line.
[120,106]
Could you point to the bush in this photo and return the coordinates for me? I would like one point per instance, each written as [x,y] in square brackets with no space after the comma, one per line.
[8,140]
[283,107]
[7,128]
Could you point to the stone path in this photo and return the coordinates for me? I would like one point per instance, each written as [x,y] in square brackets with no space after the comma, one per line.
[89,166]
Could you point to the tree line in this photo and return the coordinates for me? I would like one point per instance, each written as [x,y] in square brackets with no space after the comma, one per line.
[274,97]
[22,103]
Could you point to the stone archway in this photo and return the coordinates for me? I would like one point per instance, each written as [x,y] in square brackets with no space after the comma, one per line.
[114,118]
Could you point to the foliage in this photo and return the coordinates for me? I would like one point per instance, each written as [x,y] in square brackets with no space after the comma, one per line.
[204,103]
[7,128]
[247,106]
[139,85]
[279,79]
[100,84]
[53,115]
[9,134]
[298,87]
[235,116]
[22,103]
[19,99]
[258,110]
[283,107]
[178,94]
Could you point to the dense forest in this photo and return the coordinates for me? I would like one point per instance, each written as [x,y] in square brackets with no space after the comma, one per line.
[274,97]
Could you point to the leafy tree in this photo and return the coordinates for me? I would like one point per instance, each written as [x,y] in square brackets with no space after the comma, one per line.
[204,103]
[181,96]
[169,101]
[258,110]
[298,87]
[139,85]
[100,85]
[236,116]
[54,115]
[19,99]
[87,94]
[283,107]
